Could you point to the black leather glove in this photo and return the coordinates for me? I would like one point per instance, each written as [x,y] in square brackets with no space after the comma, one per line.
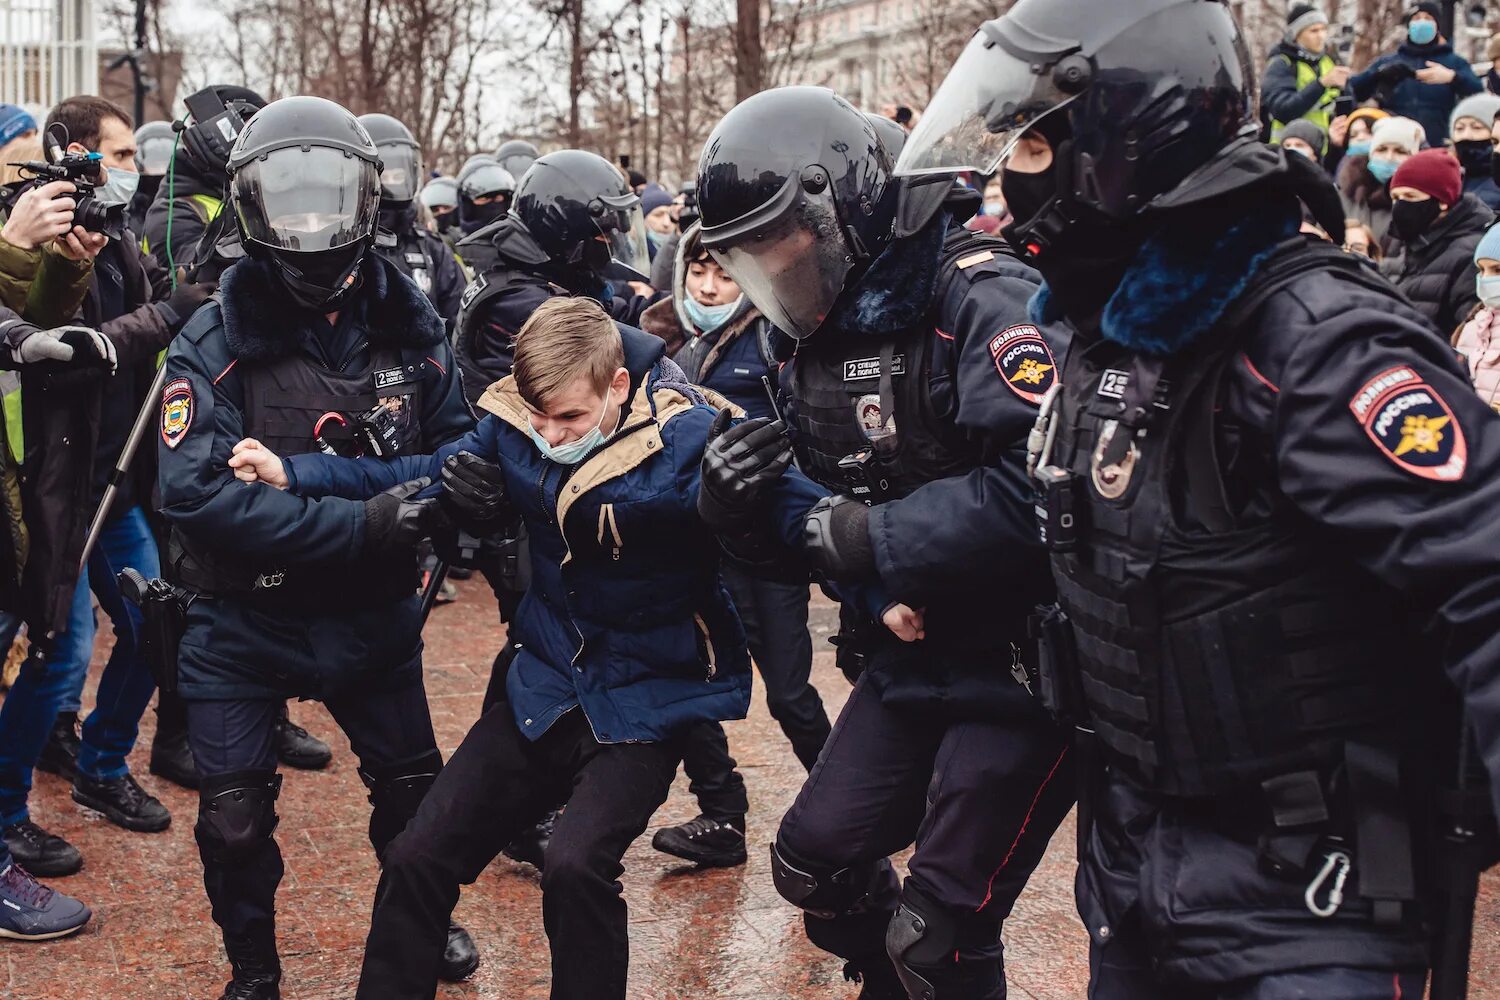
[90,348]
[395,522]
[836,539]
[474,494]
[740,464]
[185,299]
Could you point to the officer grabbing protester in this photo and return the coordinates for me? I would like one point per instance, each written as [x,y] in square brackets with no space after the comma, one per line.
[912,376]
[417,252]
[1269,494]
[314,343]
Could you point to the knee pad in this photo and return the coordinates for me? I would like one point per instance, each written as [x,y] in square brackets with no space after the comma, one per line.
[396,790]
[237,812]
[923,941]
[824,891]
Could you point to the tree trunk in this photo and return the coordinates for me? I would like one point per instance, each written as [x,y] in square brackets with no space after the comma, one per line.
[749,60]
[575,71]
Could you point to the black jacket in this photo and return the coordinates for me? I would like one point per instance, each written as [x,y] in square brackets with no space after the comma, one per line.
[196,203]
[1438,273]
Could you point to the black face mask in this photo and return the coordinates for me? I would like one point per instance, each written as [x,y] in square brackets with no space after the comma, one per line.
[320,280]
[476,217]
[1027,194]
[445,220]
[1411,219]
[1475,155]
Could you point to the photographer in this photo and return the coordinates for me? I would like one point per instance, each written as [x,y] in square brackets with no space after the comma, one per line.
[1423,79]
[78,420]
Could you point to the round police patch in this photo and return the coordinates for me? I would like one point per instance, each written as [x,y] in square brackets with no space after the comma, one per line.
[1411,425]
[1024,361]
[176,411]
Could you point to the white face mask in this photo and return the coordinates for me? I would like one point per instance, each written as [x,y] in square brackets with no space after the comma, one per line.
[1488,288]
[118,187]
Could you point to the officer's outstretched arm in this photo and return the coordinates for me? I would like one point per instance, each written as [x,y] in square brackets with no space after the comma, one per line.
[317,475]
[199,425]
[1380,439]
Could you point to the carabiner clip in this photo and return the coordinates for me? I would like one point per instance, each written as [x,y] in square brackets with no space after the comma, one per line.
[1336,860]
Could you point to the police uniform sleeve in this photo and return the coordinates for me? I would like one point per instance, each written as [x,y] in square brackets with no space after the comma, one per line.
[981,522]
[198,428]
[448,415]
[1381,441]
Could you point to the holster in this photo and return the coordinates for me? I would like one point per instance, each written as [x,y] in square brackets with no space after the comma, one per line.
[1057,680]
[855,635]
[163,610]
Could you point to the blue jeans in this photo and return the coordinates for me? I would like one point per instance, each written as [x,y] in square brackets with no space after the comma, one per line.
[125,687]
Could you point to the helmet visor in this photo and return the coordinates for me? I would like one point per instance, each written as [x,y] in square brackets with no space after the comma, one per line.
[402,175]
[987,101]
[486,180]
[440,196]
[624,230]
[793,268]
[517,163]
[307,199]
[152,155]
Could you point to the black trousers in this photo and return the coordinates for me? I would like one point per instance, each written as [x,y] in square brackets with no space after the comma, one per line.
[496,785]
[384,728]
[775,618]
[981,800]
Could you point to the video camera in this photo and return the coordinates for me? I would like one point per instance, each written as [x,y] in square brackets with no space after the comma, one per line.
[84,170]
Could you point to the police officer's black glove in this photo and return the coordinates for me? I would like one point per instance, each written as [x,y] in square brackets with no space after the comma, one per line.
[177,308]
[740,464]
[395,522]
[474,494]
[836,539]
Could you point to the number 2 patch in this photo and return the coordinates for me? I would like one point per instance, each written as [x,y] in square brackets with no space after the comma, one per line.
[1024,361]
[1412,425]
[176,411]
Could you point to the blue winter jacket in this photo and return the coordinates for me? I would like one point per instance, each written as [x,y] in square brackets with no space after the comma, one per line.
[1430,104]
[626,615]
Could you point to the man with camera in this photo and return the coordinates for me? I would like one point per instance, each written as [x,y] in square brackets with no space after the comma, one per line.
[77,419]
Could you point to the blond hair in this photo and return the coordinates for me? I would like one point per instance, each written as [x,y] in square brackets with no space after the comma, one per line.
[18,150]
[566,338]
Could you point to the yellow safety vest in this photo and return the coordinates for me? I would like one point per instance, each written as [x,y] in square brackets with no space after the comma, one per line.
[1321,113]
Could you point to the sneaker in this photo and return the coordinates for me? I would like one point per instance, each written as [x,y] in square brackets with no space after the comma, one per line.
[60,754]
[708,842]
[172,758]
[296,747]
[531,846]
[30,911]
[123,802]
[460,956]
[40,852]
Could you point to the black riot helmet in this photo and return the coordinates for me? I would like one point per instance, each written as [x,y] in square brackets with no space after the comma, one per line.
[219,113]
[1138,98]
[400,158]
[485,188]
[797,197]
[517,156]
[305,186]
[581,220]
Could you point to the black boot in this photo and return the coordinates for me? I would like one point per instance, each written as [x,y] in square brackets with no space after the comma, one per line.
[296,747]
[708,842]
[123,802]
[877,979]
[39,852]
[460,956]
[257,970]
[531,846]
[172,758]
[60,754]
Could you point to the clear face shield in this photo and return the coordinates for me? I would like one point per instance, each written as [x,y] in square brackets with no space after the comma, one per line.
[624,227]
[792,262]
[402,176]
[307,200]
[987,101]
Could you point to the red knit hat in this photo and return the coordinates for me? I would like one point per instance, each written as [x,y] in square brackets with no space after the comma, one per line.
[1433,172]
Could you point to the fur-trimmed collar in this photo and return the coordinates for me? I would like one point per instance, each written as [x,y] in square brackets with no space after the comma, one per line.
[261,322]
[1184,278]
[896,288]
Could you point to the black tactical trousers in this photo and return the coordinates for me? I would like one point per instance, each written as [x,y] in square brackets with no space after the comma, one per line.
[496,785]
[384,728]
[981,800]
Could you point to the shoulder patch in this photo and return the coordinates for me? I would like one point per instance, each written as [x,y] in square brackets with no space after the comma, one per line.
[1411,425]
[176,411]
[1024,361]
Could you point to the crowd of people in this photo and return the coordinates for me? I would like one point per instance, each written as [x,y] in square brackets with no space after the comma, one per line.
[1150,481]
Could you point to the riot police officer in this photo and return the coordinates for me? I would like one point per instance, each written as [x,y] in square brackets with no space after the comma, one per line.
[440,196]
[484,192]
[517,156]
[417,252]
[312,343]
[1269,493]
[911,379]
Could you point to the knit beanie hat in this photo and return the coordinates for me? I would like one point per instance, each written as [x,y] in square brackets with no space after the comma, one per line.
[1482,107]
[1372,115]
[1301,17]
[14,121]
[654,197]
[1424,7]
[1404,132]
[1435,173]
[1309,133]
[1489,246]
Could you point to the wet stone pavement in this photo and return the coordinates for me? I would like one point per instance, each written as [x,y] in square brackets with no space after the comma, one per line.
[695,935]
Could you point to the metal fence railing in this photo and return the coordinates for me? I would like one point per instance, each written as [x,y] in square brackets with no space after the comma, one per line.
[48,51]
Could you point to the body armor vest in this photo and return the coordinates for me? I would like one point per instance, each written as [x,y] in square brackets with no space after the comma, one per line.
[865,418]
[1221,642]
[295,406]
[412,258]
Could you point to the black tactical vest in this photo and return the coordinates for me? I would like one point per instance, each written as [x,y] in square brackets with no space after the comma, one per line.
[413,258]
[295,406]
[1221,641]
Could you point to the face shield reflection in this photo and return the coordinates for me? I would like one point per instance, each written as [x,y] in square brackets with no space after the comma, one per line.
[307,199]
[402,175]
